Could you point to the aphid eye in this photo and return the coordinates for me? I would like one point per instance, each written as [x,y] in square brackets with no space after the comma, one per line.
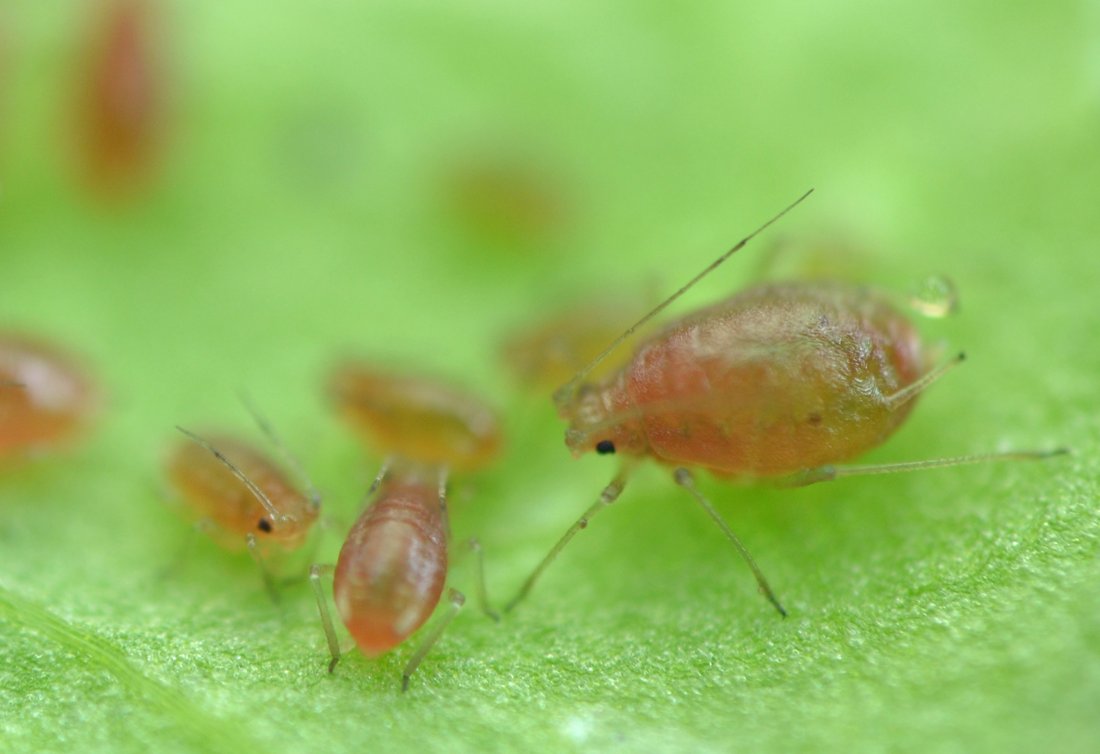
[264,525]
[605,447]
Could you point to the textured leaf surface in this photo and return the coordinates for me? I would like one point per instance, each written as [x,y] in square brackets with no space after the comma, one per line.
[305,211]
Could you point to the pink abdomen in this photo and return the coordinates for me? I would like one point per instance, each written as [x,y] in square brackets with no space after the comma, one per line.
[392,568]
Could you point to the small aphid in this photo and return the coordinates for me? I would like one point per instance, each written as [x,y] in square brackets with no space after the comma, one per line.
[416,418]
[548,352]
[245,497]
[779,382]
[120,107]
[392,568]
[45,396]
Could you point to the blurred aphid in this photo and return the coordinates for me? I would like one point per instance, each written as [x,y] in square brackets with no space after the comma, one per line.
[45,396]
[548,351]
[505,200]
[120,100]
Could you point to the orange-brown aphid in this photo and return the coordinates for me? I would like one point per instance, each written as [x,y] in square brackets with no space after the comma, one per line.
[242,496]
[416,418]
[45,396]
[548,352]
[120,106]
[780,381]
[393,566]
[245,495]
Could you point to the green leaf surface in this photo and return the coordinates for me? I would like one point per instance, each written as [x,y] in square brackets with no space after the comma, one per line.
[307,208]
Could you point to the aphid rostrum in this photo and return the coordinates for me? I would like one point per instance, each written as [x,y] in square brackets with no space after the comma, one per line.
[241,497]
[392,567]
[778,382]
[45,396]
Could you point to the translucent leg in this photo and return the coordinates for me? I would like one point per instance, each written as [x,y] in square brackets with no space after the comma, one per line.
[912,390]
[458,599]
[482,590]
[608,496]
[265,572]
[316,573]
[829,473]
[687,481]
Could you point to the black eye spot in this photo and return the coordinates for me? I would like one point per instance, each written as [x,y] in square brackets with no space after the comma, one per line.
[264,525]
[605,447]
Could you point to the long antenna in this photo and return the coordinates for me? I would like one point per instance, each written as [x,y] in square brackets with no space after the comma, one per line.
[290,458]
[565,394]
[263,499]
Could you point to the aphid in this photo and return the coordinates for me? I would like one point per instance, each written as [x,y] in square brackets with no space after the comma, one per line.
[416,418]
[543,354]
[120,105]
[392,568]
[45,396]
[780,382]
[243,497]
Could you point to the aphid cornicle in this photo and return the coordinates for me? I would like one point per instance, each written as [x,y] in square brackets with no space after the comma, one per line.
[45,396]
[780,382]
[392,568]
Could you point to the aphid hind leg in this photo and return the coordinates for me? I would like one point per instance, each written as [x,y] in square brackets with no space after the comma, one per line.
[457,599]
[265,572]
[482,589]
[316,572]
[896,400]
[831,473]
[685,479]
[610,493]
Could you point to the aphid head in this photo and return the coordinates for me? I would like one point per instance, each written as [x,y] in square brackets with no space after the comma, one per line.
[596,424]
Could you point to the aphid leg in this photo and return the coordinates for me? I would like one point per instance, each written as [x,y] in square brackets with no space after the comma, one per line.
[381,475]
[265,572]
[829,473]
[610,493]
[685,479]
[290,458]
[918,386]
[316,572]
[443,513]
[482,590]
[458,599]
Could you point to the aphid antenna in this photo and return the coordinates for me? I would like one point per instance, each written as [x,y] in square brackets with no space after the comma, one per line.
[444,512]
[565,394]
[288,457]
[265,501]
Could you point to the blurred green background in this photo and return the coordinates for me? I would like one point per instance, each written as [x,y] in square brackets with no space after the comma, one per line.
[409,181]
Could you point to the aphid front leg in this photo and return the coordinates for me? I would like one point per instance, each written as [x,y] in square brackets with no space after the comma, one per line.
[265,572]
[458,599]
[316,572]
[610,493]
[685,479]
[482,590]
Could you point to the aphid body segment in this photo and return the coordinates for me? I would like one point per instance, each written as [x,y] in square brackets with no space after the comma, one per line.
[267,507]
[774,380]
[45,396]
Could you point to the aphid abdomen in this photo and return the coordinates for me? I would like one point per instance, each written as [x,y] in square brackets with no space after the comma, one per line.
[775,380]
[393,566]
